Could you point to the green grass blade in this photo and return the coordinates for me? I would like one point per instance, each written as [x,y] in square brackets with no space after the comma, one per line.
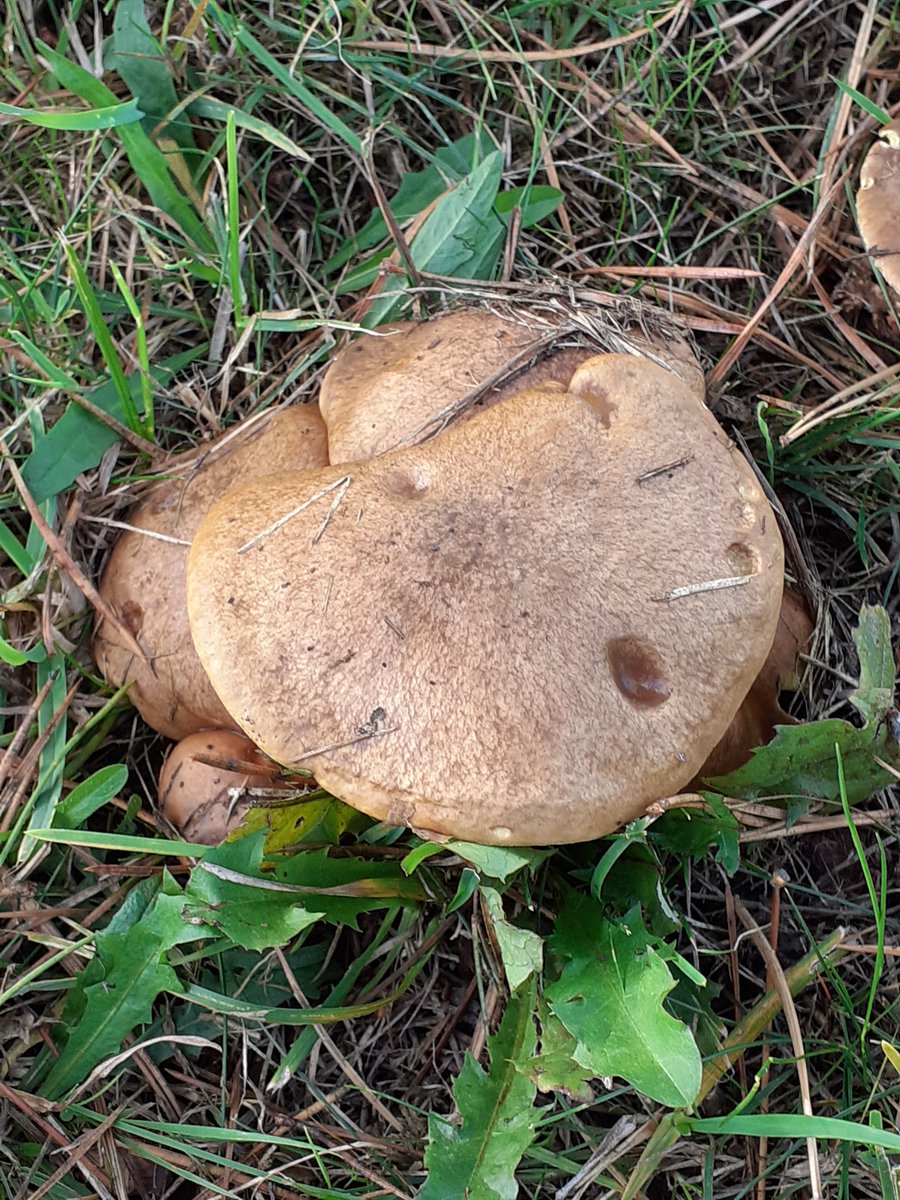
[147,425]
[112,116]
[148,162]
[796,1125]
[103,338]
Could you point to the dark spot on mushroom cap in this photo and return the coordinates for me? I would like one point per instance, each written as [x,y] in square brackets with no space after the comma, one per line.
[742,559]
[637,671]
[133,616]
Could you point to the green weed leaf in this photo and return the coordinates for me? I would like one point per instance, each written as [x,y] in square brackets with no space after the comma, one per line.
[609,996]
[84,800]
[554,1068]
[462,238]
[417,190]
[78,440]
[18,658]
[522,950]
[116,992]
[875,694]
[477,1159]
[535,202]
[453,239]
[135,55]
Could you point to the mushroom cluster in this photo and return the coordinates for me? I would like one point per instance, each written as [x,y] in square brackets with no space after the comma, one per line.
[526,599]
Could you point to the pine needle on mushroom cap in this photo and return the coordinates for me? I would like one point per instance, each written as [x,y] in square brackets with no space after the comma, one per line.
[405,382]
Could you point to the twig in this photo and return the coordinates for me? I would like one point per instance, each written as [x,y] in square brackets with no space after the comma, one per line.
[717,375]
[694,589]
[430,50]
[385,209]
[65,560]
[790,1012]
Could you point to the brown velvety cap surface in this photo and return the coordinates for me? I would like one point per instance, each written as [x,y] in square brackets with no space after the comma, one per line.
[144,579]
[390,388]
[385,386]
[517,632]
[878,203]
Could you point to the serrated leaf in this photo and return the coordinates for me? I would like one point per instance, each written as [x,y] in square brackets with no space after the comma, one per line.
[800,761]
[875,695]
[497,862]
[319,818]
[553,1068]
[255,918]
[477,1158]
[522,950]
[115,994]
[609,996]
[693,831]
[341,889]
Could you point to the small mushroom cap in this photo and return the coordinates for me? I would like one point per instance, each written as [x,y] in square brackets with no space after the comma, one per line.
[384,386]
[206,801]
[388,387]
[523,631]
[144,579]
[878,203]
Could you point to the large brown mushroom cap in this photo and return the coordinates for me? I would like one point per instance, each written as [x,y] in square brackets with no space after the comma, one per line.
[144,579]
[878,203]
[400,383]
[524,631]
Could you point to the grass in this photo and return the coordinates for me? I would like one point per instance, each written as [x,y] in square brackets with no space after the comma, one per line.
[181,271]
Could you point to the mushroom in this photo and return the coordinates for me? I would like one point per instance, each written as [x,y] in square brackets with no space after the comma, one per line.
[144,579]
[755,721]
[878,203]
[205,782]
[523,631]
[405,381]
